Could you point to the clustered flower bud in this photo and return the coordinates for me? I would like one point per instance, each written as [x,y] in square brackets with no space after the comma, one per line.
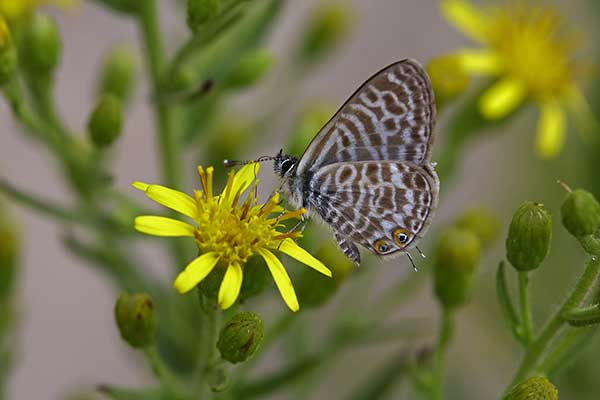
[240,337]
[482,222]
[8,53]
[250,68]
[41,45]
[201,11]
[457,260]
[580,213]
[117,76]
[529,236]
[534,388]
[327,26]
[448,78]
[106,121]
[135,318]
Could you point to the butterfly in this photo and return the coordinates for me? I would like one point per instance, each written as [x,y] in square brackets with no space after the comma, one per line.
[367,173]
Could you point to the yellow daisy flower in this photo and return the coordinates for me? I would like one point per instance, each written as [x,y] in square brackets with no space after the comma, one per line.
[17,9]
[228,232]
[526,47]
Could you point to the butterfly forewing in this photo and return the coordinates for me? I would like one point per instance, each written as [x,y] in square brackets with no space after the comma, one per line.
[390,117]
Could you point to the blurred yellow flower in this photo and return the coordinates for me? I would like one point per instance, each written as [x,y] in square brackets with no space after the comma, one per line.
[526,47]
[16,9]
[228,232]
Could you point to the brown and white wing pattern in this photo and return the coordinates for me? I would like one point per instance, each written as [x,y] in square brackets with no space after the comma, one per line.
[390,117]
[385,206]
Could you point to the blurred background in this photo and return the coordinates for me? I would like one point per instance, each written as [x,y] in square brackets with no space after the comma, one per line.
[67,338]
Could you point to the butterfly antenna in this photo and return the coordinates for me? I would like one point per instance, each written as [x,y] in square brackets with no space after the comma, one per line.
[412,262]
[420,252]
[234,163]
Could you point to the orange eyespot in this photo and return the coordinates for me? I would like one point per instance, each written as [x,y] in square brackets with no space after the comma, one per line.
[401,236]
[381,246]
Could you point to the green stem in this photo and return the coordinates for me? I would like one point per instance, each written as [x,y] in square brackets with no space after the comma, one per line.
[590,244]
[583,316]
[168,141]
[536,349]
[439,357]
[527,323]
[207,355]
[572,342]
[162,373]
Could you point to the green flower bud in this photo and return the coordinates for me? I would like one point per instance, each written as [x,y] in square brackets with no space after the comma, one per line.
[328,25]
[135,318]
[529,236]
[201,11]
[9,251]
[534,388]
[117,76]
[448,79]
[256,278]
[106,121]
[580,213]
[482,222]
[240,337]
[457,260]
[312,119]
[41,46]
[8,53]
[312,289]
[124,6]
[250,68]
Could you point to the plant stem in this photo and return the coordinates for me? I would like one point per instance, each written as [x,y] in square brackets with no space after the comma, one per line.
[536,349]
[527,323]
[208,344]
[439,357]
[572,342]
[162,373]
[168,141]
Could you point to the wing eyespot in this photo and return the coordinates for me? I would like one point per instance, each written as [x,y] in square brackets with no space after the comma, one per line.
[401,236]
[381,246]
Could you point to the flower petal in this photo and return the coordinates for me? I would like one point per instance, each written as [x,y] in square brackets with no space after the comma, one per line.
[244,177]
[195,271]
[163,226]
[479,62]
[502,98]
[551,130]
[466,18]
[231,285]
[173,199]
[291,248]
[281,278]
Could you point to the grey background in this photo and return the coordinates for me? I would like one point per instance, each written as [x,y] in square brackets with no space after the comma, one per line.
[67,337]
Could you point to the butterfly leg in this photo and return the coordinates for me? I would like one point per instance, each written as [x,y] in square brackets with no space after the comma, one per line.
[412,261]
[420,252]
[348,248]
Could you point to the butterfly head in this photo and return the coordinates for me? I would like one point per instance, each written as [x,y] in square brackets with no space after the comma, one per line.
[284,164]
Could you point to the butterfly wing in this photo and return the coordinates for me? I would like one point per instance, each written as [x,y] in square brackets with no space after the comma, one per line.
[385,206]
[390,117]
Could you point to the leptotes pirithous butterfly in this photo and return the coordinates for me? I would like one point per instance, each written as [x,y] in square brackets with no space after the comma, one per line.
[367,173]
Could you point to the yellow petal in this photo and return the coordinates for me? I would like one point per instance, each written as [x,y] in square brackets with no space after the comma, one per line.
[281,278]
[230,287]
[244,177]
[551,129]
[502,98]
[587,124]
[466,18]
[289,247]
[195,272]
[173,199]
[479,62]
[162,226]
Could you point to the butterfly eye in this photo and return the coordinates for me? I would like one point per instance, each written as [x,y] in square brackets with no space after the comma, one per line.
[401,236]
[286,165]
[381,246]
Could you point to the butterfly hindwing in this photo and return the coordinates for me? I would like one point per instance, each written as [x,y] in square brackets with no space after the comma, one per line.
[390,117]
[375,202]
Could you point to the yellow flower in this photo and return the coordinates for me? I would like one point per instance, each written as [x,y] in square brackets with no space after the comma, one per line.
[526,48]
[17,9]
[228,232]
